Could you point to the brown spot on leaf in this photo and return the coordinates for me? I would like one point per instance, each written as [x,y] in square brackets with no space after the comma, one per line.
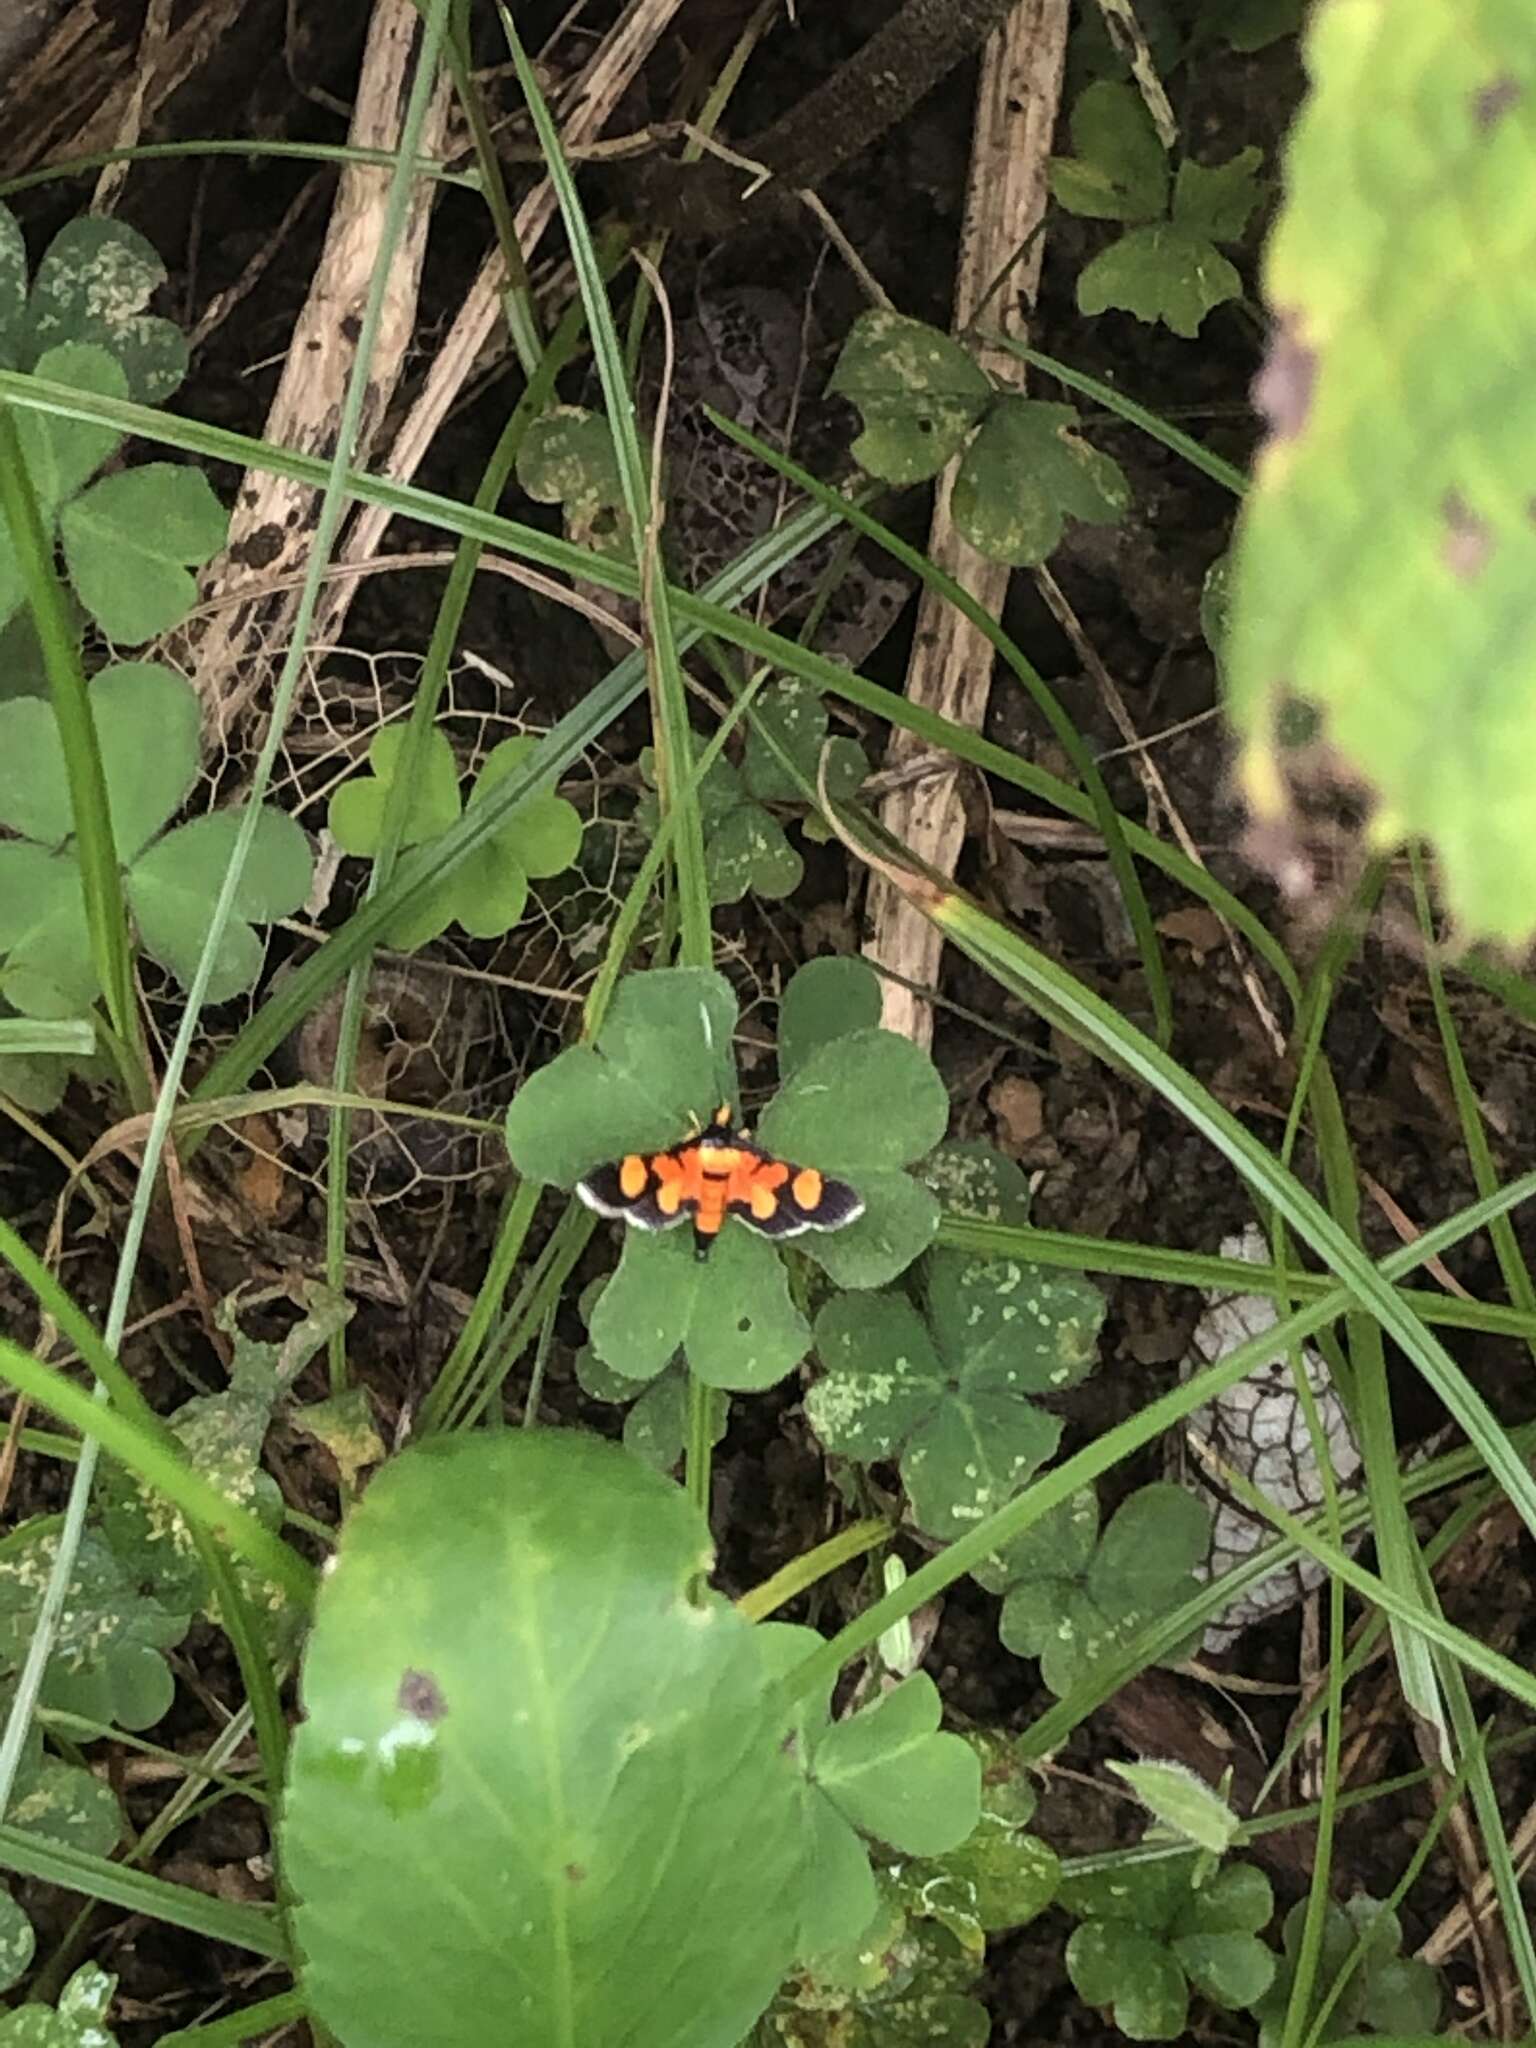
[1282,391]
[576,1872]
[1468,540]
[421,1697]
[1490,103]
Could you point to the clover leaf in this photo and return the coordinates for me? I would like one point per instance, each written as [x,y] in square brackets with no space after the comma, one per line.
[947,1394]
[488,892]
[1166,266]
[862,1106]
[1147,1936]
[825,999]
[106,1662]
[1072,1597]
[886,1772]
[656,1421]
[1385,1991]
[146,726]
[128,539]
[567,459]
[745,847]
[919,394]
[18,1942]
[902,1984]
[223,1434]
[94,280]
[1025,474]
[1000,1876]
[789,732]
[731,1315]
[77,2021]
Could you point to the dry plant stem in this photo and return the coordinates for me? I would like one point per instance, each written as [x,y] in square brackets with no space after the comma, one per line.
[152,41]
[273,516]
[88,79]
[951,670]
[1150,777]
[587,107]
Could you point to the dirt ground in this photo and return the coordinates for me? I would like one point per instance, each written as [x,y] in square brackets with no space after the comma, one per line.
[1106,1158]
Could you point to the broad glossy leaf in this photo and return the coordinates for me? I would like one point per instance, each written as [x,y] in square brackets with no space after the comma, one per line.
[1025,474]
[918,392]
[94,280]
[1401,536]
[174,886]
[512,1691]
[660,1067]
[825,999]
[126,539]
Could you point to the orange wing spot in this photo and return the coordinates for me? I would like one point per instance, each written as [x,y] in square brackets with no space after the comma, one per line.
[667,1167]
[669,1197]
[634,1176]
[807,1188]
[764,1201]
[771,1174]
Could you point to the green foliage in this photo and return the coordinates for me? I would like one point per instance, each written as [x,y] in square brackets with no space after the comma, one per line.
[18,1942]
[1148,1938]
[513,1689]
[903,1984]
[488,892]
[1073,1597]
[78,2021]
[1385,1991]
[1247,25]
[146,723]
[223,1434]
[825,999]
[1401,536]
[745,846]
[130,538]
[1025,470]
[107,1663]
[1000,1876]
[567,459]
[947,1392]
[656,1421]
[886,1772]
[862,1106]
[1184,1803]
[1166,266]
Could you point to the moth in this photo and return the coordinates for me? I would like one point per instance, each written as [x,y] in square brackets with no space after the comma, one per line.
[716,1174]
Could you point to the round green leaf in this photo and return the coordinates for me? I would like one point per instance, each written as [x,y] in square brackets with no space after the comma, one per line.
[1025,474]
[356,814]
[889,1771]
[1231,1970]
[661,1067]
[544,832]
[489,889]
[825,999]
[746,849]
[94,280]
[882,1379]
[730,1313]
[512,1690]
[1114,1965]
[49,970]
[641,1318]
[174,886]
[18,1940]
[126,538]
[975,1180]
[65,1804]
[919,394]
[900,1221]
[866,1099]
[78,2021]
[147,727]
[1239,1899]
[1015,1327]
[63,454]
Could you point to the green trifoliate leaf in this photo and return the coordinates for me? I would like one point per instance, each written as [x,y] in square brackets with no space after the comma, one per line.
[356,816]
[127,539]
[92,285]
[172,890]
[731,1314]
